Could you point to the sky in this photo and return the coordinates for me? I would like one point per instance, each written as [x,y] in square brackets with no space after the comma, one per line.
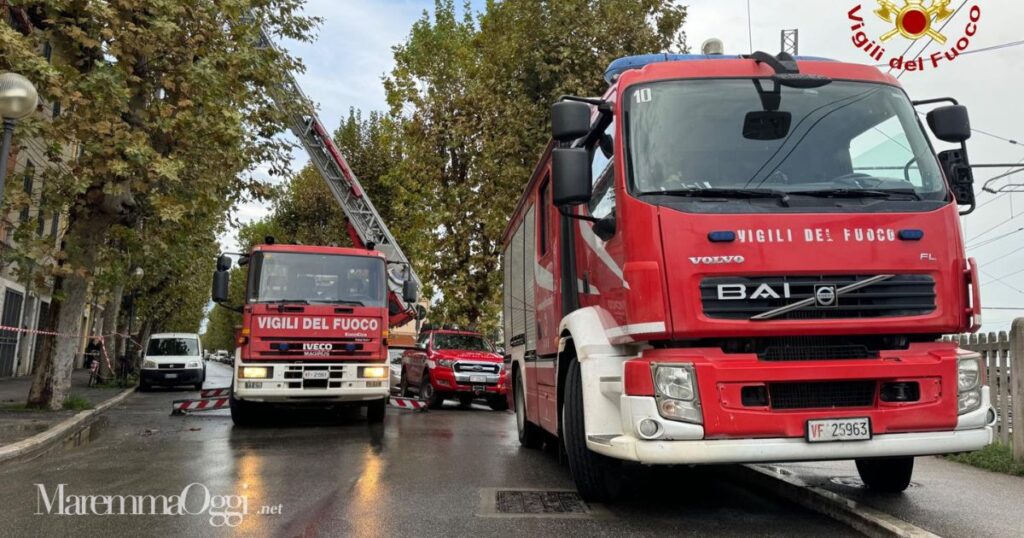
[353,51]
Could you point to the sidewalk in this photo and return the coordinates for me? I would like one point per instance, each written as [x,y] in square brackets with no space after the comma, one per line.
[18,423]
[947,498]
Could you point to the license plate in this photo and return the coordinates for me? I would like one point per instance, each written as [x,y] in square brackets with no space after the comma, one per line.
[478,388]
[838,429]
[316,374]
[170,376]
[477,379]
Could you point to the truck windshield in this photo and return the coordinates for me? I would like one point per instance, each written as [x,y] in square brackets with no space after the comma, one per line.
[172,347]
[317,278]
[466,342]
[745,138]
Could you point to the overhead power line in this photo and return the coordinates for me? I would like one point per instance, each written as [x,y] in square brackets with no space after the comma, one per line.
[930,38]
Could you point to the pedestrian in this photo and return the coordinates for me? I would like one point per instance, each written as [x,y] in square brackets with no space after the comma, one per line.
[92,351]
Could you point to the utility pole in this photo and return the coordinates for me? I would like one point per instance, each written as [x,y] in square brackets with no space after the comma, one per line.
[790,39]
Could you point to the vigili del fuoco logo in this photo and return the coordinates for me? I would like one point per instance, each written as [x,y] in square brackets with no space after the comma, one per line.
[911,21]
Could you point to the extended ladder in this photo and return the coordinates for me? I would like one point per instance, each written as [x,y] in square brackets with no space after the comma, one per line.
[365,226]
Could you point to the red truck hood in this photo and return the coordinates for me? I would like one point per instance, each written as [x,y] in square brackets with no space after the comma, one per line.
[314,333]
[459,354]
[811,250]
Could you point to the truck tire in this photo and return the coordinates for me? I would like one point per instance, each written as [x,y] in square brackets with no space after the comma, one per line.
[598,478]
[376,410]
[427,393]
[530,436]
[498,403]
[243,414]
[889,475]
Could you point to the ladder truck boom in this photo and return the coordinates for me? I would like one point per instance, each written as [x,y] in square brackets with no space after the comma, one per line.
[365,225]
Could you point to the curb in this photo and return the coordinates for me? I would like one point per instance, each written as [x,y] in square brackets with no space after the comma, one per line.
[860,517]
[63,431]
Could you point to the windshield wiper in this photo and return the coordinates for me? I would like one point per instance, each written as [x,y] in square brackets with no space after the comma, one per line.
[352,302]
[782,196]
[858,193]
[283,301]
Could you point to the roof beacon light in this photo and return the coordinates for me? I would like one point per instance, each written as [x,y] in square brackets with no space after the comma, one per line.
[712,46]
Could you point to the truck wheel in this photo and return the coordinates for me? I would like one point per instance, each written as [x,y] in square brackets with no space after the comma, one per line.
[498,403]
[429,395]
[598,478]
[530,436]
[890,475]
[466,400]
[376,410]
[243,413]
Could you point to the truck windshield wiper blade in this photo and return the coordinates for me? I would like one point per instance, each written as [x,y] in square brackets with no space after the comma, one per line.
[352,302]
[782,196]
[284,301]
[858,193]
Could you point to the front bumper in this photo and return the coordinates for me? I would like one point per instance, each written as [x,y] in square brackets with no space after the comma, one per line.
[450,382]
[684,443]
[171,376]
[287,384]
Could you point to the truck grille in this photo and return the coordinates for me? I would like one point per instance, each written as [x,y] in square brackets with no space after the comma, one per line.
[476,367]
[744,297]
[821,394]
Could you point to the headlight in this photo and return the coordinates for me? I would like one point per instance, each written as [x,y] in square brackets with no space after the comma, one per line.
[446,363]
[148,365]
[193,364]
[968,373]
[375,372]
[255,372]
[968,401]
[674,382]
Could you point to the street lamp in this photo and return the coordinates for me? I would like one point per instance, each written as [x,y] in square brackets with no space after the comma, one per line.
[18,98]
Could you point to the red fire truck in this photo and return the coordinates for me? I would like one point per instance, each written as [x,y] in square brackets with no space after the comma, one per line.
[314,329]
[750,258]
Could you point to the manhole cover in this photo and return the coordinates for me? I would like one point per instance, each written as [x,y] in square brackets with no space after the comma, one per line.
[538,502]
[534,503]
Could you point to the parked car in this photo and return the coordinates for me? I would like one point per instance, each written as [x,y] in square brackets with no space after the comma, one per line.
[395,365]
[222,356]
[454,364]
[173,359]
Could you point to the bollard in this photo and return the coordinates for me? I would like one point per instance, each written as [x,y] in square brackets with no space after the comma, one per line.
[1017,391]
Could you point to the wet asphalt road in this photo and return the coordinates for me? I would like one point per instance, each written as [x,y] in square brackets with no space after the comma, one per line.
[420,474]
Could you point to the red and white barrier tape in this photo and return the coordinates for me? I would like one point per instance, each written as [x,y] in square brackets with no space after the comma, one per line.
[207,404]
[215,393]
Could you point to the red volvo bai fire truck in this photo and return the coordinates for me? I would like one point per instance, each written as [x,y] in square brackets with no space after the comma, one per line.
[733,259]
[314,329]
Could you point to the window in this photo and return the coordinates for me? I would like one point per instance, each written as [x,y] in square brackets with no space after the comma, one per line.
[543,211]
[317,278]
[884,151]
[464,342]
[54,223]
[602,201]
[171,347]
[48,52]
[27,180]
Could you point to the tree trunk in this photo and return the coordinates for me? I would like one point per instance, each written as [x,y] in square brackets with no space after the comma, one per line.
[25,349]
[42,369]
[75,289]
[143,336]
[111,314]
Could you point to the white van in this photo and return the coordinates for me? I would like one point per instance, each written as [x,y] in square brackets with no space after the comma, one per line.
[173,359]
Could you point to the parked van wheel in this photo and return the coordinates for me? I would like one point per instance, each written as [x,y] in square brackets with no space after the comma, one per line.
[376,410]
[889,475]
[598,478]
[530,436]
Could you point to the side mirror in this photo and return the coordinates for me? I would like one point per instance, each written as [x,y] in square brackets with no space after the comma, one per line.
[950,123]
[223,262]
[960,176]
[570,172]
[569,120]
[409,292]
[220,286]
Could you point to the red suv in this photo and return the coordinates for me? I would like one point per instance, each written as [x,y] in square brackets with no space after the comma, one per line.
[454,364]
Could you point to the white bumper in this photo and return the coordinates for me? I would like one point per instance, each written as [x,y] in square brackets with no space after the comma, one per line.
[682,443]
[286,384]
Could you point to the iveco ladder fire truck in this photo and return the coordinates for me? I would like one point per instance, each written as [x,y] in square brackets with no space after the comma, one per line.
[315,319]
[734,259]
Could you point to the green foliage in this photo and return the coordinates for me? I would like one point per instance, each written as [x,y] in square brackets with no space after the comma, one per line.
[470,99]
[995,457]
[77,403]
